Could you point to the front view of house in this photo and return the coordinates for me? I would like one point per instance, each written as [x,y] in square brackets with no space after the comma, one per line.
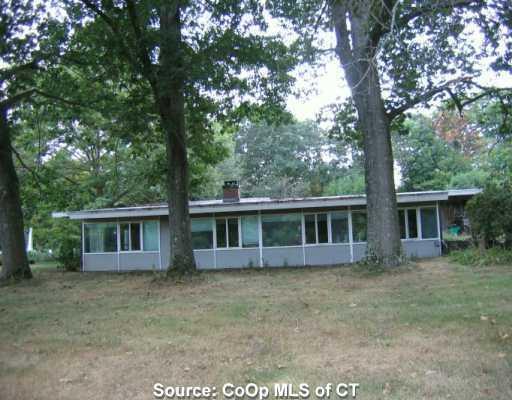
[259,232]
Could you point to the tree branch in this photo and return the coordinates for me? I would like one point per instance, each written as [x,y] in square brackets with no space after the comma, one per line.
[10,101]
[10,72]
[393,113]
[142,49]
[431,7]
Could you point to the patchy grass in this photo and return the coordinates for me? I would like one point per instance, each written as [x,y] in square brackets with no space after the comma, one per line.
[436,330]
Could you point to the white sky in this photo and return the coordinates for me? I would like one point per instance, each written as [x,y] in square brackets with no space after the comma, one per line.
[323,86]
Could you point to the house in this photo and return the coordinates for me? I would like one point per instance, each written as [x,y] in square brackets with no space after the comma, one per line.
[239,232]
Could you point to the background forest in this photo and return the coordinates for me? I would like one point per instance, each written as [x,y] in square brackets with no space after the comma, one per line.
[436,150]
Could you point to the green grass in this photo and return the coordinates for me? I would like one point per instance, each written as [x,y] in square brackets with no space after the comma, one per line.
[476,257]
[435,330]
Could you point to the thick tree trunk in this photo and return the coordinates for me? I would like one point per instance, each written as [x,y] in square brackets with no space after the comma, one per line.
[357,56]
[12,237]
[171,102]
[383,233]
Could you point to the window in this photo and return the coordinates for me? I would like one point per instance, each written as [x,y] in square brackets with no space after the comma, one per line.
[130,236]
[412,223]
[250,231]
[321,223]
[310,226]
[281,230]
[339,227]
[202,234]
[150,235]
[359,226]
[428,223]
[316,228]
[401,223]
[227,232]
[408,223]
[100,238]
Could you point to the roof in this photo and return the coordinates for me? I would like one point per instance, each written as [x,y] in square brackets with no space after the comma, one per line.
[261,204]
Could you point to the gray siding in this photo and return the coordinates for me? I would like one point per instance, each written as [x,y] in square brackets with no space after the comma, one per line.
[328,254]
[422,248]
[283,256]
[100,262]
[139,261]
[237,258]
[359,251]
[204,259]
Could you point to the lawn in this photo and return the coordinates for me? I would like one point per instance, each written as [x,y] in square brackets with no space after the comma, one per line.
[434,330]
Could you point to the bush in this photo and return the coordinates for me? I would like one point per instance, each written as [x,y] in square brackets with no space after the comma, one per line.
[490,214]
[65,243]
[476,257]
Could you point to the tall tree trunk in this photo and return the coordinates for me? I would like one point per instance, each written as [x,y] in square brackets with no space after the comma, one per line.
[383,233]
[171,102]
[357,57]
[12,236]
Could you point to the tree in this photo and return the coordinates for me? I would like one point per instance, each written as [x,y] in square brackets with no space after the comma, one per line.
[24,30]
[283,161]
[191,54]
[490,213]
[427,161]
[385,47]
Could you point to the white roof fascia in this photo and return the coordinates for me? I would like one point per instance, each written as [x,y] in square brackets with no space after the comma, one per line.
[285,204]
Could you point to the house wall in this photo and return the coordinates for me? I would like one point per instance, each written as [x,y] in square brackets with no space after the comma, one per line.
[301,255]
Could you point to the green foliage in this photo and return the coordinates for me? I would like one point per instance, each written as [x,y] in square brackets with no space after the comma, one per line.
[475,178]
[65,243]
[426,161]
[479,258]
[490,213]
[286,160]
[351,182]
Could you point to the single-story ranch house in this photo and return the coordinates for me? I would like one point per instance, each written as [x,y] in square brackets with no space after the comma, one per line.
[239,232]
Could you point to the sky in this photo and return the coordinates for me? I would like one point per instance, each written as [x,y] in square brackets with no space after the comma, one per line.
[327,84]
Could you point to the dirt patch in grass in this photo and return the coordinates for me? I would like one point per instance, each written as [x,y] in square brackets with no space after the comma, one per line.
[435,330]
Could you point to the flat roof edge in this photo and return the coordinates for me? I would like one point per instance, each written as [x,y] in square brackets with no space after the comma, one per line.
[263,205]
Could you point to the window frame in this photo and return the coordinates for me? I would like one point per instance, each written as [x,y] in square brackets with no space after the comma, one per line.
[351,224]
[84,224]
[214,233]
[259,225]
[437,221]
[301,220]
[329,233]
[226,227]
[118,238]
[418,222]
[141,238]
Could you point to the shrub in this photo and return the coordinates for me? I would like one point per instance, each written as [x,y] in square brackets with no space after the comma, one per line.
[65,243]
[490,214]
[476,257]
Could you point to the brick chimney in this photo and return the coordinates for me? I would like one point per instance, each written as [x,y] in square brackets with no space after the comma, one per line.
[231,192]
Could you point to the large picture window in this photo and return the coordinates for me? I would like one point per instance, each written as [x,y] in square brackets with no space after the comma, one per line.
[202,234]
[339,227]
[227,231]
[428,223]
[250,231]
[281,230]
[359,226]
[100,238]
[316,228]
